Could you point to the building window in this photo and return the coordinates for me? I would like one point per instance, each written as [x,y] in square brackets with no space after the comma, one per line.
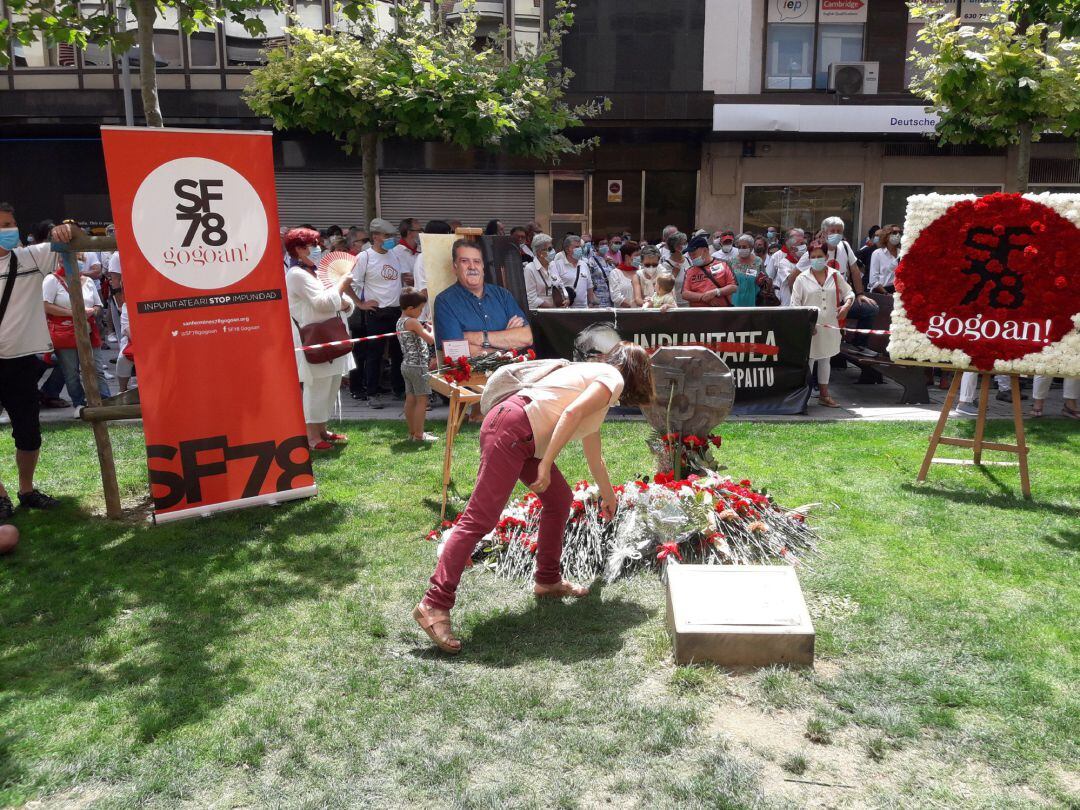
[800,207]
[790,51]
[202,48]
[309,13]
[894,198]
[245,50]
[837,43]
[805,37]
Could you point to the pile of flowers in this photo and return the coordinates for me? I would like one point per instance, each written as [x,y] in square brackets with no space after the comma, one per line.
[683,454]
[707,519]
[461,369]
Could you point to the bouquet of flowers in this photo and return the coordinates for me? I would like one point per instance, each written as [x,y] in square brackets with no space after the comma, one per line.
[687,454]
[706,519]
[461,369]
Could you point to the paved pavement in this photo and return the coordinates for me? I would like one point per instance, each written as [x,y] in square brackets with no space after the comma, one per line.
[859,403]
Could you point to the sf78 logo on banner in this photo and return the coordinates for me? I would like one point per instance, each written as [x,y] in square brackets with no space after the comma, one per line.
[195,208]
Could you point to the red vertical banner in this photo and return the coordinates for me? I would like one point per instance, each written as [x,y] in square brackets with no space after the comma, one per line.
[197,230]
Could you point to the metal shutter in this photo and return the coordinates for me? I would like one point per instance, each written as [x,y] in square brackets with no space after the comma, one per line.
[320,198]
[472,197]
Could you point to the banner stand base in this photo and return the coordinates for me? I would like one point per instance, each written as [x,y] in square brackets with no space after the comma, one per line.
[270,499]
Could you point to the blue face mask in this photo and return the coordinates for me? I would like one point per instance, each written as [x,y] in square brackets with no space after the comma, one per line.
[9,238]
[636,261]
[578,252]
[586,249]
[834,239]
[316,254]
[389,244]
[550,254]
[818,263]
[700,261]
[603,250]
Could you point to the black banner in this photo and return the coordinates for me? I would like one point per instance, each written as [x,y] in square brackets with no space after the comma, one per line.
[767,348]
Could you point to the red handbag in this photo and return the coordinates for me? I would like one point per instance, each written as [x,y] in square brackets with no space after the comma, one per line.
[61,331]
[329,331]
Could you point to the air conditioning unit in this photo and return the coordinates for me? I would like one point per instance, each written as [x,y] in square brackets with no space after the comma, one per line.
[854,78]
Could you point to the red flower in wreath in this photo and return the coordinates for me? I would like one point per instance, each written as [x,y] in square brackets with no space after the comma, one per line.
[984,278]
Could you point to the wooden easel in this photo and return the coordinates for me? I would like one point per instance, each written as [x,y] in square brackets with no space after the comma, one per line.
[462,397]
[978,444]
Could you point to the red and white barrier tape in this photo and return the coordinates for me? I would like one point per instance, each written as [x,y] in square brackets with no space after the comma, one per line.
[348,342]
[857,331]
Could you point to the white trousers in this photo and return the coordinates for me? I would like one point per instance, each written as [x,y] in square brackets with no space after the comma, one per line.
[1041,387]
[824,370]
[320,396]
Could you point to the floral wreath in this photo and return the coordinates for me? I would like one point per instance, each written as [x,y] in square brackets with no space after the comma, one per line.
[990,282]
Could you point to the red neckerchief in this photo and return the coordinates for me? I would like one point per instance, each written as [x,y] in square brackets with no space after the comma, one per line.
[627,268]
[791,256]
[411,250]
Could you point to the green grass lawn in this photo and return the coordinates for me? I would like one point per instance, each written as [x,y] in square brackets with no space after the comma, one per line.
[267,657]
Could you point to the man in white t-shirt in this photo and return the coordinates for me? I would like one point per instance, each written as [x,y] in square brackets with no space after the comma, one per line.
[572,269]
[24,335]
[376,288]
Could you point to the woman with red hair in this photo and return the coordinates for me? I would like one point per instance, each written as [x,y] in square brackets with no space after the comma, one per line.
[311,302]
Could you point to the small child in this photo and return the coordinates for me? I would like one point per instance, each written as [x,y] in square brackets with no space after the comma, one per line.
[664,297]
[415,338]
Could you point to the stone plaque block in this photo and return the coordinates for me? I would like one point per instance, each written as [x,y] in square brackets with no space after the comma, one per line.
[738,615]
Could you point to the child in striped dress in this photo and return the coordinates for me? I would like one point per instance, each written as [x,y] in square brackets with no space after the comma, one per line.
[415,337]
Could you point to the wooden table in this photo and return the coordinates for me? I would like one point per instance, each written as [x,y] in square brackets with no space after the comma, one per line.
[462,397]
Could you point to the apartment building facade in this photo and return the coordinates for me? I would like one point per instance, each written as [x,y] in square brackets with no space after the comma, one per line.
[733,113]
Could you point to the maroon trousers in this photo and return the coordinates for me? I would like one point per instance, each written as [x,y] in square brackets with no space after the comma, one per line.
[506,456]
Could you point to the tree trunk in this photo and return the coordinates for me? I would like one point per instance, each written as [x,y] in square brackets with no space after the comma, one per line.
[369,151]
[1018,179]
[146,12]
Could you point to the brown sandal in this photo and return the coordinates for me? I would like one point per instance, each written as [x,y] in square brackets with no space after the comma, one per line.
[828,402]
[560,590]
[432,625]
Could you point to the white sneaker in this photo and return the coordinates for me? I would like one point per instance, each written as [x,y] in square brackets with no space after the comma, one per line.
[427,437]
[109,376]
[111,338]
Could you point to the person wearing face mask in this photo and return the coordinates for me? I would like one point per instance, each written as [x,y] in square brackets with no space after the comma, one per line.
[709,282]
[24,334]
[540,283]
[677,264]
[787,264]
[625,284]
[573,271]
[649,270]
[614,255]
[376,290]
[823,287]
[771,235]
[599,270]
[884,260]
[760,247]
[724,244]
[746,268]
[866,252]
[407,249]
[864,311]
[310,302]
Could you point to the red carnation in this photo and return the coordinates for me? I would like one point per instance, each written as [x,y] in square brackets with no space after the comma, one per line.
[999,229]
[1061,282]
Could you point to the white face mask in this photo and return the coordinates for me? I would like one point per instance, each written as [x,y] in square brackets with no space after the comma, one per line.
[744,252]
[894,239]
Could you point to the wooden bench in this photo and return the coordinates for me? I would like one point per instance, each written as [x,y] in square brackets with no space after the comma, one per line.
[910,378]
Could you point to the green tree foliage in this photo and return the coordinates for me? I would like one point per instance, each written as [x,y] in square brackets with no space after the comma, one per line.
[72,23]
[1005,83]
[424,79]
